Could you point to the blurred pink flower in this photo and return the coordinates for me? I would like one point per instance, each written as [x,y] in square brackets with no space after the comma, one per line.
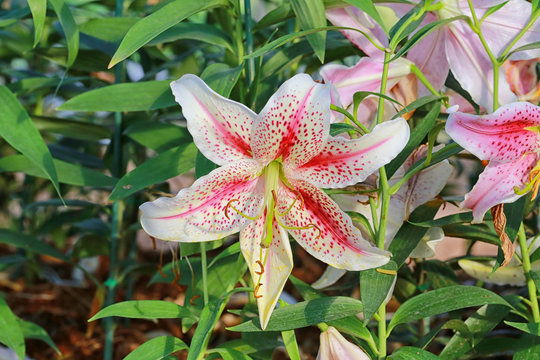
[509,138]
[335,347]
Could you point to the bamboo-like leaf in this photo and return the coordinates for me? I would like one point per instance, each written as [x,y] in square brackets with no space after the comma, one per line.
[154,24]
[310,15]
[34,331]
[157,348]
[143,309]
[368,7]
[39,12]
[70,29]
[11,334]
[19,131]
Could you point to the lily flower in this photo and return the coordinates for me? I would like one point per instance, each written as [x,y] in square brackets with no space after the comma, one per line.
[272,165]
[523,79]
[455,46]
[335,347]
[509,139]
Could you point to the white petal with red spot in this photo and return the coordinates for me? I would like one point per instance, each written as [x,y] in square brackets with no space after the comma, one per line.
[199,213]
[221,128]
[345,162]
[277,261]
[294,124]
[325,231]
[496,185]
[500,136]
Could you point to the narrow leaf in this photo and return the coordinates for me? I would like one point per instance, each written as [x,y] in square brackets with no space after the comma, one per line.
[310,15]
[39,12]
[11,334]
[443,300]
[209,317]
[164,166]
[305,313]
[17,129]
[530,328]
[143,309]
[140,96]
[30,244]
[154,24]
[34,331]
[374,287]
[368,7]
[411,353]
[157,348]
[70,29]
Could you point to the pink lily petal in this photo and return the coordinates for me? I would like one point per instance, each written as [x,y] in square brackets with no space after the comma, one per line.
[276,260]
[503,136]
[364,76]
[471,66]
[496,185]
[501,27]
[326,232]
[345,162]
[522,77]
[294,123]
[355,18]
[220,127]
[200,213]
[335,347]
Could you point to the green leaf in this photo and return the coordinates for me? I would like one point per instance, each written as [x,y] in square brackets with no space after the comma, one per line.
[29,243]
[157,348]
[412,353]
[311,15]
[11,333]
[530,328]
[374,287]
[39,12]
[72,174]
[480,325]
[209,317]
[158,136]
[17,129]
[192,31]
[70,29]
[398,33]
[417,136]
[228,354]
[143,309]
[531,46]
[417,104]
[33,331]
[443,300]
[528,348]
[340,128]
[535,275]
[139,96]
[476,232]
[289,339]
[305,313]
[72,128]
[423,32]
[111,29]
[203,166]
[492,10]
[359,96]
[368,7]
[151,26]
[465,217]
[409,235]
[221,78]
[164,166]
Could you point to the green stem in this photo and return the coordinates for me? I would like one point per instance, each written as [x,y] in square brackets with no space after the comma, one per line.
[384,81]
[204,272]
[250,69]
[116,220]
[494,61]
[420,75]
[519,36]
[526,261]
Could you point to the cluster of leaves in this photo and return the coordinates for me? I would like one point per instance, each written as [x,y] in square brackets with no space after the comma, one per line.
[74,127]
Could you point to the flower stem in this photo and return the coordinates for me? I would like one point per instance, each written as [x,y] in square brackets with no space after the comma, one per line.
[519,36]
[250,68]
[416,71]
[526,261]
[384,81]
[204,269]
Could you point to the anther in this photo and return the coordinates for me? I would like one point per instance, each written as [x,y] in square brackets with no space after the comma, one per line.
[262,268]
[192,300]
[257,296]
[229,205]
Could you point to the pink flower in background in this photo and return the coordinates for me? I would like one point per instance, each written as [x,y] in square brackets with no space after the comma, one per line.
[523,79]
[509,138]
[335,347]
[272,165]
[454,46]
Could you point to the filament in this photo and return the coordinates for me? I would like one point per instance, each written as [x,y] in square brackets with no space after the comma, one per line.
[255,292]
[229,205]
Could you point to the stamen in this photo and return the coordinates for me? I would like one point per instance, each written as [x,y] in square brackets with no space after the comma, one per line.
[262,268]
[387,272]
[229,205]
[298,196]
[192,300]
[533,184]
[257,296]
[160,266]
[153,242]
[308,226]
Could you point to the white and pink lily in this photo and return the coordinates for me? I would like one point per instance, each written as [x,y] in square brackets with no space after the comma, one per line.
[272,165]
[335,347]
[454,46]
[509,138]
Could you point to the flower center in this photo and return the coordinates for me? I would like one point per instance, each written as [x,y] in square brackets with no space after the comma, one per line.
[532,185]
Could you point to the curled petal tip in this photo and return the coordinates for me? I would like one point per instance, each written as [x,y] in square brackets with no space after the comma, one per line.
[452,109]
